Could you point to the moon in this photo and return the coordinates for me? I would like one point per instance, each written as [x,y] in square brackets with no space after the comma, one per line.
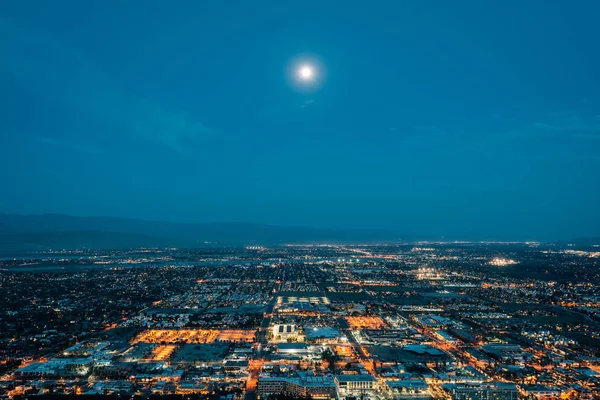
[306,72]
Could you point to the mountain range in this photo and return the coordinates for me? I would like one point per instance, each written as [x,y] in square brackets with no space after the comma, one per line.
[54,231]
[27,232]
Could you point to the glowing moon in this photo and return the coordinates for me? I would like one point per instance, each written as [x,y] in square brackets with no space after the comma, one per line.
[306,72]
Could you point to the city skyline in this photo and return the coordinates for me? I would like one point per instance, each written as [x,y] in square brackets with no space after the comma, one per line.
[431,321]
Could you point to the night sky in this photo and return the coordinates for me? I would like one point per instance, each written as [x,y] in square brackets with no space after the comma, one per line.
[463,119]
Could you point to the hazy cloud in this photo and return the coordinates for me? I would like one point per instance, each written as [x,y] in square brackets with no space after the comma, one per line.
[574,125]
[307,103]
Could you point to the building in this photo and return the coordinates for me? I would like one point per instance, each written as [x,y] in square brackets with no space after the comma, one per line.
[284,332]
[355,384]
[463,335]
[540,392]
[323,335]
[56,367]
[504,352]
[483,391]
[445,336]
[301,349]
[85,349]
[413,388]
[316,387]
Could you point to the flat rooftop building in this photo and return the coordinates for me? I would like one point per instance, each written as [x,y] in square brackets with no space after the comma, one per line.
[483,391]
[316,387]
[361,383]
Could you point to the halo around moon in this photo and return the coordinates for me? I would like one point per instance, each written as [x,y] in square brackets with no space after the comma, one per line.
[306,73]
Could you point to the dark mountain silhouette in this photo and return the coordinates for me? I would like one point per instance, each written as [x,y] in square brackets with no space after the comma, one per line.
[56,230]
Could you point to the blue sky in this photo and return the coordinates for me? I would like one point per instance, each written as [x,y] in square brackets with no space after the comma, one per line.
[463,119]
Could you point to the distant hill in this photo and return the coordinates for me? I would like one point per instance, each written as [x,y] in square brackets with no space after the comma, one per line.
[84,240]
[57,230]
